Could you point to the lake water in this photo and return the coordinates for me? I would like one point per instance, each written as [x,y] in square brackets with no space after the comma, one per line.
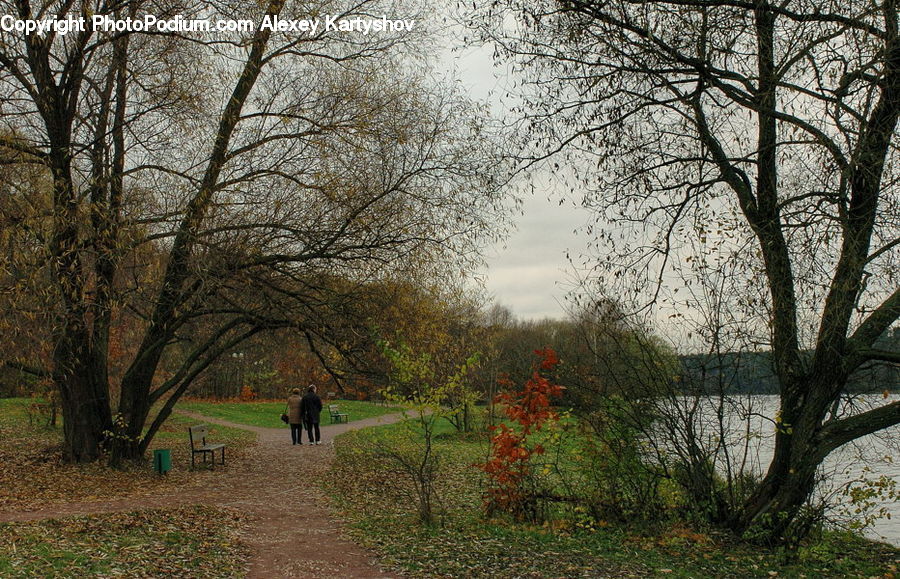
[871,457]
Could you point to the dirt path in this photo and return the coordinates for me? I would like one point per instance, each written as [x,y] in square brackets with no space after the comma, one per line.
[291,533]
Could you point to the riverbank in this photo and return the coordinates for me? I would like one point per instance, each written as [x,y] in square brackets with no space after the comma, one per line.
[379,503]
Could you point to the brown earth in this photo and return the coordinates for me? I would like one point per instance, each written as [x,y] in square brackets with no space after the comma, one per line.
[291,531]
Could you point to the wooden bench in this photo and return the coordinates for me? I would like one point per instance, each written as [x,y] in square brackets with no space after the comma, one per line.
[199,445]
[336,415]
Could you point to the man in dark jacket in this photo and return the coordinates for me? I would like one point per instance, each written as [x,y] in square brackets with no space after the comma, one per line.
[310,407]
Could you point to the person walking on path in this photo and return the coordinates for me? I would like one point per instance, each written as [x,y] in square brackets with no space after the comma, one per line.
[310,407]
[295,416]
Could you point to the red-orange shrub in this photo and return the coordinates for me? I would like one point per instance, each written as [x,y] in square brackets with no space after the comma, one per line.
[509,467]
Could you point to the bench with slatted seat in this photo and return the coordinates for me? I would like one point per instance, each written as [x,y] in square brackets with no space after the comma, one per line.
[199,445]
[336,414]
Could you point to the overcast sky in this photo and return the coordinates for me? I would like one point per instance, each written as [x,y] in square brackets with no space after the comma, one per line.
[528,272]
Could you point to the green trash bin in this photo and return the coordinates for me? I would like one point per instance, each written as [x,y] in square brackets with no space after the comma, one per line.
[162,460]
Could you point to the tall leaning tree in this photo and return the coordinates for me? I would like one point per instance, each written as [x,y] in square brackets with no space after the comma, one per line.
[756,141]
[200,188]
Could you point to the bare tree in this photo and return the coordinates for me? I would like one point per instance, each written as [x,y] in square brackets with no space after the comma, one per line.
[221,186]
[756,142]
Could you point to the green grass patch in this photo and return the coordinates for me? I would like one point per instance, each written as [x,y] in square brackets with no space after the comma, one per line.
[194,541]
[380,504]
[267,414]
[13,413]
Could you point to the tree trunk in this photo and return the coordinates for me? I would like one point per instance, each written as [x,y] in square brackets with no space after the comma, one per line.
[125,447]
[79,362]
[84,398]
[134,408]
[799,450]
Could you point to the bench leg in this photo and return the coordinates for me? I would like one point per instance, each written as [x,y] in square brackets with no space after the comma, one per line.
[209,457]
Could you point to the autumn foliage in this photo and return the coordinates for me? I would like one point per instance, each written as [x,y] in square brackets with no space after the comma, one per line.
[247,394]
[509,467]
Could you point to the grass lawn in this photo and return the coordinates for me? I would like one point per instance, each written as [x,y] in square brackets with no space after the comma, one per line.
[378,501]
[267,414]
[197,541]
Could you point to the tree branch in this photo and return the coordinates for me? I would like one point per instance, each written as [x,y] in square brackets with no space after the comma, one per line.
[877,323]
[20,147]
[26,369]
[881,355]
[840,432]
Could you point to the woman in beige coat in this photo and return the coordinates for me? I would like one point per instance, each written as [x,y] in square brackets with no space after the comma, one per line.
[294,417]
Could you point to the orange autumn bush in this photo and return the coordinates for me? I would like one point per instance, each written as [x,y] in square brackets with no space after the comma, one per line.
[509,469]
